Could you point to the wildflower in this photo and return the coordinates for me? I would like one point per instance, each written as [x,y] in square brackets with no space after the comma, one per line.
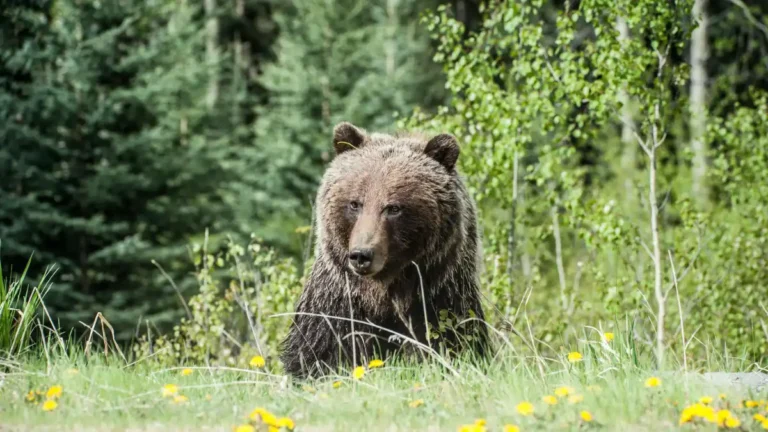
[416,403]
[697,410]
[607,337]
[286,423]
[336,384]
[706,400]
[264,416]
[759,417]
[257,361]
[180,399]
[245,428]
[653,382]
[208,397]
[186,372]
[586,416]
[751,404]
[471,428]
[50,405]
[54,392]
[725,418]
[375,364]
[480,422]
[575,399]
[511,428]
[764,424]
[564,391]
[549,400]
[31,396]
[524,408]
[723,396]
[358,372]
[574,357]
[170,390]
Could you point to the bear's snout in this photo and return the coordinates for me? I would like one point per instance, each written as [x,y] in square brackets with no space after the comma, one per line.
[361,259]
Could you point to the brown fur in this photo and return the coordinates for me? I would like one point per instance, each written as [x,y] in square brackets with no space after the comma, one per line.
[401,198]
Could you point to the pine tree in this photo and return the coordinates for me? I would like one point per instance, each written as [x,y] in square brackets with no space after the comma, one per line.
[346,60]
[115,158]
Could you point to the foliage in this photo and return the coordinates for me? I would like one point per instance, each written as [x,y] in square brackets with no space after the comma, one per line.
[229,320]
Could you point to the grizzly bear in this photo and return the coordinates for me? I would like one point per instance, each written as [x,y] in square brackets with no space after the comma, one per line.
[396,257]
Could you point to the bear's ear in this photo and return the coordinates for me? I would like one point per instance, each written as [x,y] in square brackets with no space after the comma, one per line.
[347,137]
[445,149]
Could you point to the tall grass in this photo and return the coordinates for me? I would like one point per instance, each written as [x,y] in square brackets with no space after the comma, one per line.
[18,309]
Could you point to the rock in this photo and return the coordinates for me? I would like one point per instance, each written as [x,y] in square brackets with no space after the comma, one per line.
[756,381]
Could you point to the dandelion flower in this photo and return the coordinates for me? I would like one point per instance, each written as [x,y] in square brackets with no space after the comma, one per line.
[264,416]
[653,382]
[723,396]
[375,364]
[286,423]
[480,422]
[170,390]
[54,392]
[759,417]
[358,372]
[586,416]
[471,428]
[245,428]
[575,399]
[706,400]
[186,372]
[751,404]
[180,399]
[416,403]
[608,337]
[549,400]
[336,384]
[511,428]
[31,396]
[257,361]
[764,424]
[564,391]
[732,422]
[525,408]
[50,405]
[575,356]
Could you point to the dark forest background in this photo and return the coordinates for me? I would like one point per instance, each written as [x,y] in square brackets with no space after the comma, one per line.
[129,128]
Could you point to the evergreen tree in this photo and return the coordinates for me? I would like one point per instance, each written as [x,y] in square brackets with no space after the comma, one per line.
[346,60]
[113,159]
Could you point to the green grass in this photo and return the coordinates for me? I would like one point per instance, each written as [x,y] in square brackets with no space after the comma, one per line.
[110,395]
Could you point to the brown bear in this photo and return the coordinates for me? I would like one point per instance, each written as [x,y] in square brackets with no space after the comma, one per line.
[397,248]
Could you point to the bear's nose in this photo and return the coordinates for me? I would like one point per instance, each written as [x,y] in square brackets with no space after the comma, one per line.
[361,259]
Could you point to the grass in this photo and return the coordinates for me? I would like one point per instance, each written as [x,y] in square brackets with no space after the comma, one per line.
[107,394]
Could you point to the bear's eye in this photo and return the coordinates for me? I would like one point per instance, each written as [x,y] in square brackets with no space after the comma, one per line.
[394,210]
[354,205]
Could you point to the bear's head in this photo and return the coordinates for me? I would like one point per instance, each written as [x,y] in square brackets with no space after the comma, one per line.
[387,201]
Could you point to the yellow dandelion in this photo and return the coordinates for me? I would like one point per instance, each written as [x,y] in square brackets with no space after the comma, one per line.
[575,399]
[257,361]
[751,404]
[575,356]
[511,428]
[169,390]
[186,372]
[608,337]
[286,423]
[732,422]
[54,392]
[375,364]
[180,399]
[358,372]
[264,416]
[759,417]
[524,408]
[706,400]
[471,428]
[245,428]
[480,422]
[31,396]
[50,405]
[723,396]
[653,382]
[336,384]
[764,424]
[586,416]
[416,403]
[549,400]
[564,391]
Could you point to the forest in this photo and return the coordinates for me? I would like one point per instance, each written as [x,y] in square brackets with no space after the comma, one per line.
[159,161]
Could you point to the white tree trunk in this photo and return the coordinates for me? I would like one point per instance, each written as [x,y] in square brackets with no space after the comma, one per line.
[698,102]
[629,146]
[211,52]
